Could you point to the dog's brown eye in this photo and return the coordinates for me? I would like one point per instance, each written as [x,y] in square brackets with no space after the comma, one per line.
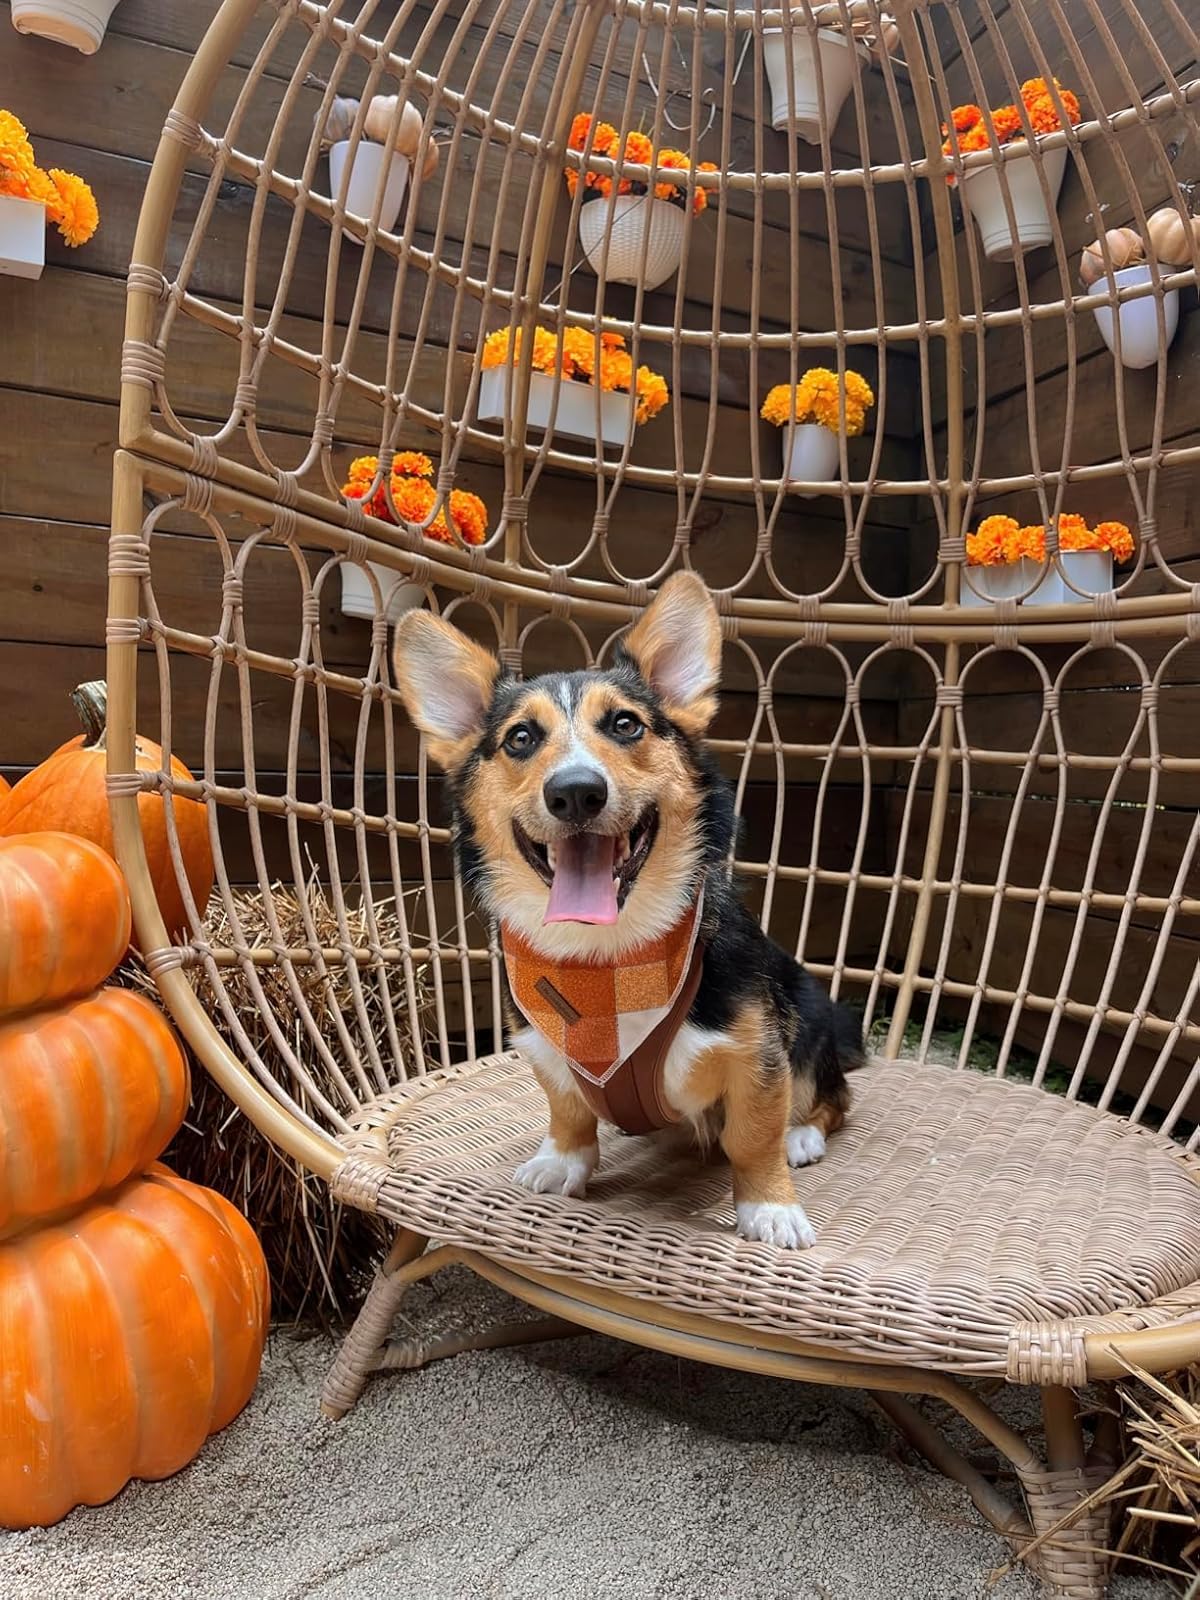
[522,739]
[626,726]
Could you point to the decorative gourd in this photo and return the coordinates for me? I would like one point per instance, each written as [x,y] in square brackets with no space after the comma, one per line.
[64,919]
[67,791]
[1125,249]
[130,1333]
[1171,237]
[90,1093]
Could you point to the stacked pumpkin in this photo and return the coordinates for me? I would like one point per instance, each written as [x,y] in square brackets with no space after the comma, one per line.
[133,1305]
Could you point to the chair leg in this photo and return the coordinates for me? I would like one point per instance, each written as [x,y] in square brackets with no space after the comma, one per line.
[360,1351]
[1071,1560]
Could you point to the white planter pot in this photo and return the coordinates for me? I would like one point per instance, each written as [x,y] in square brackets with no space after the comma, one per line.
[1090,571]
[396,595]
[837,78]
[576,414]
[812,457]
[368,162]
[1140,344]
[22,237]
[79,23]
[633,216]
[983,198]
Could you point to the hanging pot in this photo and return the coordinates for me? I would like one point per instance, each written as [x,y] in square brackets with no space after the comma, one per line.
[22,237]
[396,594]
[576,414]
[633,216]
[78,23]
[983,198]
[1140,342]
[812,457]
[1034,583]
[837,78]
[365,167]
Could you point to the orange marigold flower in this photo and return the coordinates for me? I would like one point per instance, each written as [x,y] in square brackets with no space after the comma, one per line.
[1115,536]
[819,397]
[964,117]
[469,515]
[612,341]
[74,207]
[579,350]
[577,137]
[974,139]
[638,149]
[1074,533]
[652,393]
[16,152]
[408,464]
[413,498]
[986,547]
[1030,543]
[604,140]
[616,370]
[362,471]
[1006,123]
[572,178]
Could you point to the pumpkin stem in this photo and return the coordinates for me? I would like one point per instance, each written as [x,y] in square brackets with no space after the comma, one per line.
[91,702]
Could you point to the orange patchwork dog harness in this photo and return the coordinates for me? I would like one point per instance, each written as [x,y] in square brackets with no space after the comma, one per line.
[614,1025]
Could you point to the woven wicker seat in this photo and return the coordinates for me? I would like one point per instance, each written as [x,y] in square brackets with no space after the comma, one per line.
[984,1209]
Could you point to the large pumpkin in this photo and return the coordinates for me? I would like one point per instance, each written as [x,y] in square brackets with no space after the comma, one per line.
[90,1093]
[68,791]
[64,919]
[130,1333]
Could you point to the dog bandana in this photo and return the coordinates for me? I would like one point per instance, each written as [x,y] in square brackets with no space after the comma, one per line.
[613,1024]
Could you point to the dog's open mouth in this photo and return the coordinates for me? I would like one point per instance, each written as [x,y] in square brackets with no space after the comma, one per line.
[590,874]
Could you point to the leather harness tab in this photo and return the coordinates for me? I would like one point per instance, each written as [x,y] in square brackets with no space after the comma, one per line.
[559,1001]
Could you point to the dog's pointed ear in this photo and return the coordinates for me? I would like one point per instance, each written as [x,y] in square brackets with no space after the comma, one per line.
[446,682]
[676,646]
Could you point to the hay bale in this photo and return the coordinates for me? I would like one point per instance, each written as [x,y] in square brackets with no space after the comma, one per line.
[320,1254]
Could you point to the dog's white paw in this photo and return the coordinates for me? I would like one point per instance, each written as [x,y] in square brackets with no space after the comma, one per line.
[554,1171]
[805,1145]
[784,1226]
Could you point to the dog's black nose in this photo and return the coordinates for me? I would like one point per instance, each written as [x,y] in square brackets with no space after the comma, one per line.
[575,794]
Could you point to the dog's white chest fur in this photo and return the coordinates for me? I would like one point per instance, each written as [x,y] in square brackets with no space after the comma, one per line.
[688,1046]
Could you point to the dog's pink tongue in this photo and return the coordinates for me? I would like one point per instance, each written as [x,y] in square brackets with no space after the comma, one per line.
[583,889]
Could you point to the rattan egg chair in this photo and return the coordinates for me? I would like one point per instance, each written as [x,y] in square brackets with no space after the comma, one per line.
[971,814]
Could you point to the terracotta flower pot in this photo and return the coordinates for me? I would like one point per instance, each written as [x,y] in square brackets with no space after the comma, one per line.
[78,23]
[1032,225]
[837,78]
[576,414]
[1138,319]
[633,217]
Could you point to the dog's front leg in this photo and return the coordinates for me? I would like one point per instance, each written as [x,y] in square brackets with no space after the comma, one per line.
[569,1153]
[757,1111]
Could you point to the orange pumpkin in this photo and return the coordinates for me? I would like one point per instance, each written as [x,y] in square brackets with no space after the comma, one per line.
[130,1333]
[68,791]
[5,786]
[90,1093]
[64,919]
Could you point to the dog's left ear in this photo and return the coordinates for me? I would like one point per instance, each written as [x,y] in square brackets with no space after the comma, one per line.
[676,646]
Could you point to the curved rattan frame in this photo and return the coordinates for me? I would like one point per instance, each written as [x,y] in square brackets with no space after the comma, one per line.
[199,474]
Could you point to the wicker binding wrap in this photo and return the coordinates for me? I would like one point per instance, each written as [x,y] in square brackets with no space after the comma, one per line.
[971,815]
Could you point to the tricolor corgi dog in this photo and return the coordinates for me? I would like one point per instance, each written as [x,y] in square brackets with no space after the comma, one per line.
[597,833]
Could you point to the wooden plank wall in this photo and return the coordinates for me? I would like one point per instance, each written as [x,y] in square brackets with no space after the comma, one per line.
[1070,405]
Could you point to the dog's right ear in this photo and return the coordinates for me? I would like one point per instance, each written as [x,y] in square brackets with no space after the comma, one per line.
[446,681]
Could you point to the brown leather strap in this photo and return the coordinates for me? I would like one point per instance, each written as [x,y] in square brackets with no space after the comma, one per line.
[634,1098]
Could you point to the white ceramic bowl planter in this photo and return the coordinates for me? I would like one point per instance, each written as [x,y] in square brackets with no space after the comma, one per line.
[1032,226]
[1088,571]
[576,414]
[1140,342]
[811,458]
[396,594]
[837,77]
[22,237]
[368,160]
[633,217]
[78,23]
